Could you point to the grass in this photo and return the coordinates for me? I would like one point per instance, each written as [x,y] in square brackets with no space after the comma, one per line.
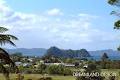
[37,76]
[57,77]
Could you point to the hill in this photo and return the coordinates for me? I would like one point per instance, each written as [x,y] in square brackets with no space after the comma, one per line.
[54,51]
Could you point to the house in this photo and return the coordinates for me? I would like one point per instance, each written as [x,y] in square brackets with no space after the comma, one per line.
[18,63]
[69,65]
[64,64]
[30,59]
[27,64]
[53,63]
[41,61]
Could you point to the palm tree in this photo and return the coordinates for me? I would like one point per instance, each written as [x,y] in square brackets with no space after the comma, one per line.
[4,56]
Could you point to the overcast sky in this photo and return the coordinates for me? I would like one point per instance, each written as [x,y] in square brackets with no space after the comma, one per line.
[66,24]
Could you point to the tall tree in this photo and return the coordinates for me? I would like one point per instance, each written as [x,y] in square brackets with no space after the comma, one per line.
[4,56]
[117,13]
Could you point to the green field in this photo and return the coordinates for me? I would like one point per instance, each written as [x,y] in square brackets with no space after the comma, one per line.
[56,77]
[37,76]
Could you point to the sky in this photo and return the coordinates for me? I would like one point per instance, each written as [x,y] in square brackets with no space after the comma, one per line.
[67,24]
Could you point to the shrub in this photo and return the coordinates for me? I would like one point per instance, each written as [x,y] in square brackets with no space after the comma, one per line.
[59,69]
[45,78]
[55,69]
[28,71]
[29,79]
[48,78]
[41,78]
[67,71]
[112,78]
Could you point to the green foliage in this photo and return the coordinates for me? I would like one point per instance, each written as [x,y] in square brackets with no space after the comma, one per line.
[46,78]
[29,79]
[41,69]
[69,60]
[91,68]
[58,69]
[67,71]
[112,2]
[54,69]
[16,57]
[117,25]
[51,59]
[18,54]
[6,38]
[110,64]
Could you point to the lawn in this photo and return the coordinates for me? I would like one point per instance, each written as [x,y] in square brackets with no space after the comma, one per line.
[37,76]
[56,77]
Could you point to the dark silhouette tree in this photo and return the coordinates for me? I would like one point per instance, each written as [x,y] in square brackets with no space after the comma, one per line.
[117,13]
[4,56]
[104,56]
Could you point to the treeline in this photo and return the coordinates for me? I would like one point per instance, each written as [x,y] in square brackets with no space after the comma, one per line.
[108,64]
[47,69]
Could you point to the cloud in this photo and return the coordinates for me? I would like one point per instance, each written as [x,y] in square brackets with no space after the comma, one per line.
[87,15]
[43,30]
[54,12]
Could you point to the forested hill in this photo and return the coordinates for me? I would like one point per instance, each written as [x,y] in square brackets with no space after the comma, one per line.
[54,51]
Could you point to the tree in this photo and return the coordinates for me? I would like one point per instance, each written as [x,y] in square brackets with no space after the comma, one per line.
[116,3]
[16,57]
[117,23]
[113,2]
[91,70]
[4,56]
[104,62]
[104,56]
[55,69]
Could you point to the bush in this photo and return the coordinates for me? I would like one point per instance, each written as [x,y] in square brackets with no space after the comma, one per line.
[55,69]
[58,69]
[45,78]
[112,78]
[29,79]
[67,71]
[41,78]
[48,78]
[28,71]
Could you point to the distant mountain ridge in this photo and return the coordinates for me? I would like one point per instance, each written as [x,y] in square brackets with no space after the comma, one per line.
[112,54]
[42,51]
[28,52]
[56,52]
